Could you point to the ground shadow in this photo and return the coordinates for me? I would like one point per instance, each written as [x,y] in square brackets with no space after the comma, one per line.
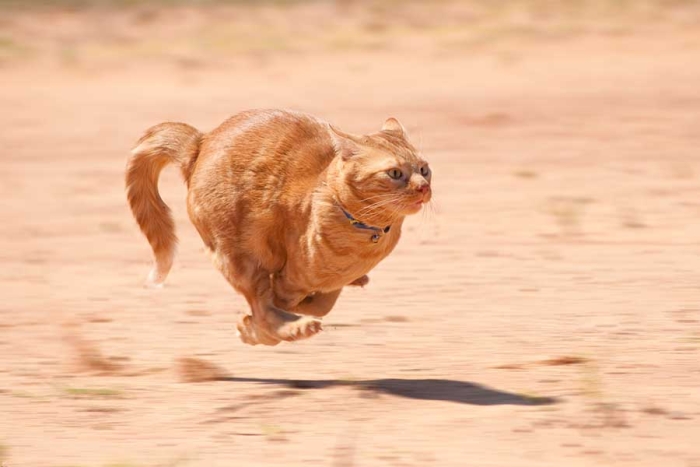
[426,389]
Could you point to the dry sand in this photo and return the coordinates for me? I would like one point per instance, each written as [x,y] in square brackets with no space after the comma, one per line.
[547,314]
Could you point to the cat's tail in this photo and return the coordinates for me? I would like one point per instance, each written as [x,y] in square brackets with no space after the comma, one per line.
[167,143]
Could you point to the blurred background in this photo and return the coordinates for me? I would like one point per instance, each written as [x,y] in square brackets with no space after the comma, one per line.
[544,314]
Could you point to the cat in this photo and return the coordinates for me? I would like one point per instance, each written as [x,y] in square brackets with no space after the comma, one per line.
[290,209]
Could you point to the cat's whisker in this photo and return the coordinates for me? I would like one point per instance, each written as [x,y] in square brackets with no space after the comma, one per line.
[379,197]
[397,211]
[434,207]
[375,206]
[430,208]
[378,204]
[377,210]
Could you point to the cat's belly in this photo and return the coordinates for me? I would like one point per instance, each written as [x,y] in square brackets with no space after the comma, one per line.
[332,279]
[324,277]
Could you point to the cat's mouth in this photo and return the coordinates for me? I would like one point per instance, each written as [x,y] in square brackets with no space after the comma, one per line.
[414,206]
[423,199]
[410,204]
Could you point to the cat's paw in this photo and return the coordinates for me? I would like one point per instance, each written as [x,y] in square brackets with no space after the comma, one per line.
[249,334]
[302,328]
[360,282]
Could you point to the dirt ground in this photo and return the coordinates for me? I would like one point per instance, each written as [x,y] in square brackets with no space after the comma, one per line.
[545,314]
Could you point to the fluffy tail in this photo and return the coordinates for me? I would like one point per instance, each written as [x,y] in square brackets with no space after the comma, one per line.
[162,144]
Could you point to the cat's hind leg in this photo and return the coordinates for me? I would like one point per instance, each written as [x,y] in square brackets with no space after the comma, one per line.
[249,334]
[269,324]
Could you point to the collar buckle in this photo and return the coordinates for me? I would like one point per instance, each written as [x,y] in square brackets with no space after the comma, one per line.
[378,231]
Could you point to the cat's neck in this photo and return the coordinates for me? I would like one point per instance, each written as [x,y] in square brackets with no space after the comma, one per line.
[362,212]
[342,200]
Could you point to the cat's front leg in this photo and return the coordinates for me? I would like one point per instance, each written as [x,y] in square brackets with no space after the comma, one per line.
[318,304]
[297,300]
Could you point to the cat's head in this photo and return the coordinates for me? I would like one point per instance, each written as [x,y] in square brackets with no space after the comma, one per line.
[382,173]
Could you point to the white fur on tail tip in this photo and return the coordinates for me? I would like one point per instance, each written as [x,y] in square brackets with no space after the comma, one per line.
[155,279]
[161,267]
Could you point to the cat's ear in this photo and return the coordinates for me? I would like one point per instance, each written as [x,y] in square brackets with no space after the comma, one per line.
[345,145]
[392,124]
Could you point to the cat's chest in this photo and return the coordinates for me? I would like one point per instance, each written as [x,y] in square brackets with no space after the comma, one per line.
[336,261]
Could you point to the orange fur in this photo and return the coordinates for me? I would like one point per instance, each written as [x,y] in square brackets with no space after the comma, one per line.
[266,192]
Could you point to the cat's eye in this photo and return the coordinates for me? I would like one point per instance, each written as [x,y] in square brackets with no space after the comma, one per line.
[425,171]
[395,174]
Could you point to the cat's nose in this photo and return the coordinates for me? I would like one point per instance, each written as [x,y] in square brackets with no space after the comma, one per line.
[423,188]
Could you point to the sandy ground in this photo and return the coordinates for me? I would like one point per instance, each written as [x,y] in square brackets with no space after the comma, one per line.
[547,314]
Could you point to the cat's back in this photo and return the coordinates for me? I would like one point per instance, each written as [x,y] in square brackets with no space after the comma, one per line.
[268,142]
[254,173]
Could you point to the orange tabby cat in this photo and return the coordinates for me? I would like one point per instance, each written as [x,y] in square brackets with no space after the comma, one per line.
[291,209]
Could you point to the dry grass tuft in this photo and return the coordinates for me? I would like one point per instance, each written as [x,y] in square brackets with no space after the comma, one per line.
[195,370]
[568,213]
[103,393]
[566,360]
[90,358]
[4,452]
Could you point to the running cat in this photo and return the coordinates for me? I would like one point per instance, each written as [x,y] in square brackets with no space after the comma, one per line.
[290,208]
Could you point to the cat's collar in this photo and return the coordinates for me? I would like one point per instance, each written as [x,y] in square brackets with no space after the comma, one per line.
[378,231]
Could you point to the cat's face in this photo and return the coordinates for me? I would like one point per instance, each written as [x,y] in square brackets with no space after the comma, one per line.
[385,172]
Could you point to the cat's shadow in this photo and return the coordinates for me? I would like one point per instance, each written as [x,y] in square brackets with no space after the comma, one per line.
[462,392]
